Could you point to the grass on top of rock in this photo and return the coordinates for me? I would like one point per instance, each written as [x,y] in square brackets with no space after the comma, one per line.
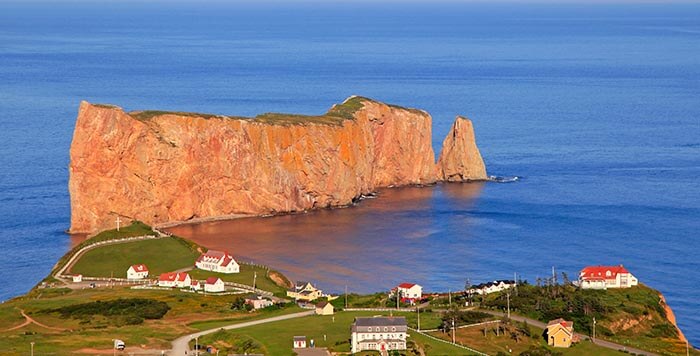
[335,116]
[159,255]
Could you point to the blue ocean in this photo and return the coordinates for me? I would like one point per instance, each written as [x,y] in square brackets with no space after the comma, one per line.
[596,107]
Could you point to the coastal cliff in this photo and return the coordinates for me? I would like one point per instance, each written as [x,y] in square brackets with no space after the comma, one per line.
[160,167]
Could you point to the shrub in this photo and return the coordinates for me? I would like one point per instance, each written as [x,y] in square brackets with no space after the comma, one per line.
[129,311]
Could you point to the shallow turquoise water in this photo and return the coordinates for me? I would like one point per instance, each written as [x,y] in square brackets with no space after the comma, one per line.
[597,107]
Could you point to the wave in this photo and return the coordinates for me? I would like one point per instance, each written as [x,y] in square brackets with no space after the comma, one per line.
[506,179]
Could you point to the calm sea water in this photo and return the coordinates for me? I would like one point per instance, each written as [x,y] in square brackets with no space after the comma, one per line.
[597,107]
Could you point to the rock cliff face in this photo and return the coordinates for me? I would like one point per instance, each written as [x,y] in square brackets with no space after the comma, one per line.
[161,167]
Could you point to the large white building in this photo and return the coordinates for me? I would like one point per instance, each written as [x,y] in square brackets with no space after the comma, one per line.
[217,261]
[604,277]
[139,271]
[175,279]
[378,334]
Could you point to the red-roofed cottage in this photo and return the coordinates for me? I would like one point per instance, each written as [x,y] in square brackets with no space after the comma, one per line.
[409,292]
[175,279]
[217,261]
[604,277]
[214,285]
[137,272]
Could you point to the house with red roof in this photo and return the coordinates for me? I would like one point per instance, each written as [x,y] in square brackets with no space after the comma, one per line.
[214,285]
[604,277]
[195,285]
[175,279]
[217,261]
[560,333]
[139,271]
[409,292]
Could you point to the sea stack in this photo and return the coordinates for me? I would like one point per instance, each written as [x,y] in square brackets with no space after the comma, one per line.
[160,167]
[460,159]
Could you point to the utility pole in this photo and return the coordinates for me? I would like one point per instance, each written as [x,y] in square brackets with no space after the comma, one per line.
[515,280]
[454,340]
[255,277]
[398,296]
[196,345]
[418,311]
[449,296]
[346,296]
[594,330]
[118,222]
[31,344]
[508,297]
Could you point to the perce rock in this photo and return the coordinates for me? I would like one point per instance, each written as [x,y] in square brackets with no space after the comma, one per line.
[160,167]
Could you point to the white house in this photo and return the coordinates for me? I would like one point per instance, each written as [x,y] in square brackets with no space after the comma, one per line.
[378,334]
[175,279]
[258,302]
[139,271]
[304,291]
[77,278]
[214,285]
[195,285]
[299,342]
[409,292]
[604,277]
[491,287]
[217,261]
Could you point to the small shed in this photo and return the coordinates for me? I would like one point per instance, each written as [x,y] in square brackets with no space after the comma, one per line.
[300,342]
[77,278]
[324,308]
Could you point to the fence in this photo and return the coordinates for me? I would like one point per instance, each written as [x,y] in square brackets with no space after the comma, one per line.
[59,274]
[449,343]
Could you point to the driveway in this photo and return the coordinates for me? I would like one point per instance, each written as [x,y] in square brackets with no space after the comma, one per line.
[181,344]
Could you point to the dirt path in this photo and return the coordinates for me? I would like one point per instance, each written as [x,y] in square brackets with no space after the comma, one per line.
[29,320]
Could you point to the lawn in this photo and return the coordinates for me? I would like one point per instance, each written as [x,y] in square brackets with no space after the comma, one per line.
[136,228]
[276,338]
[160,255]
[244,277]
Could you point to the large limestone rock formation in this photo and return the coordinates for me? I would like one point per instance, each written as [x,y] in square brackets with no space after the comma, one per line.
[162,167]
[460,159]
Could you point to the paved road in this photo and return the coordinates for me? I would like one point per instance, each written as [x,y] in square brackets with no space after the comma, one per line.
[599,342]
[181,344]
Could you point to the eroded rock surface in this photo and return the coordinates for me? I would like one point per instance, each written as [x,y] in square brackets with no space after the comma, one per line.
[160,167]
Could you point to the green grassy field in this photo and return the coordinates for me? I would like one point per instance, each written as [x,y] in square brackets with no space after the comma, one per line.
[244,277]
[276,338]
[136,228]
[160,255]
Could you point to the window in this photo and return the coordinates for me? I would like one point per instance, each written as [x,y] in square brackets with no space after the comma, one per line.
[376,329]
[386,329]
[369,329]
[393,328]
